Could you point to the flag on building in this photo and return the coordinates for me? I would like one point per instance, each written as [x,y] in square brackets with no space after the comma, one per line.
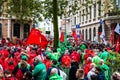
[78,30]
[117,29]
[118,44]
[81,36]
[112,35]
[100,28]
[102,36]
[102,32]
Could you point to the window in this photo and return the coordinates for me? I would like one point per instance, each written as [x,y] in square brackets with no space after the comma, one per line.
[90,34]
[99,8]
[0,31]
[83,15]
[48,28]
[74,20]
[26,30]
[80,31]
[86,34]
[94,10]
[80,15]
[83,33]
[94,31]
[90,9]
[16,30]
[86,13]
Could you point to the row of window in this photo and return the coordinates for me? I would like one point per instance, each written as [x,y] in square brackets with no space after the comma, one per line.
[16,30]
[86,31]
[89,13]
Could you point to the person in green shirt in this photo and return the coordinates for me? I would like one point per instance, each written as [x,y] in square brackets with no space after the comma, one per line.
[104,55]
[105,69]
[39,71]
[96,59]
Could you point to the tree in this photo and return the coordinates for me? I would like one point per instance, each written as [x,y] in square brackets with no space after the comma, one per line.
[54,8]
[1,6]
[55,21]
[24,9]
[112,60]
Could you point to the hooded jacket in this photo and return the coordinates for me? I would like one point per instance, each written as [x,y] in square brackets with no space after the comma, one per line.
[39,71]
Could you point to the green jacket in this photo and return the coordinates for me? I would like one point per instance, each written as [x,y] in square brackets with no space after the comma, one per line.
[39,71]
[104,55]
[105,69]
[55,77]
[96,60]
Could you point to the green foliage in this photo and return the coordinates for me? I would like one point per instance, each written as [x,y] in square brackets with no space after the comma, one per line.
[24,9]
[113,61]
[1,6]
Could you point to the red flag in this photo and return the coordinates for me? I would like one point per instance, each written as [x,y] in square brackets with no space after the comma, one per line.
[112,35]
[100,30]
[62,37]
[81,36]
[35,37]
[44,41]
[118,44]
[74,35]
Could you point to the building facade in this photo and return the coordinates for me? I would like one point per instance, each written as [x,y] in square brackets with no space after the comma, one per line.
[88,18]
[10,28]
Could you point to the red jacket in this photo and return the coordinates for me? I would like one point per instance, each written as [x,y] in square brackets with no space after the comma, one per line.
[9,64]
[87,68]
[47,63]
[10,78]
[66,61]
[74,53]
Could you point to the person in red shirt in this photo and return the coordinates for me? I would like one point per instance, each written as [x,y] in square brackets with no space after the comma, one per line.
[8,76]
[74,53]
[66,61]
[87,65]
[9,64]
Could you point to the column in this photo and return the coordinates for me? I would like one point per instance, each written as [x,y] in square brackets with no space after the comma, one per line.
[8,29]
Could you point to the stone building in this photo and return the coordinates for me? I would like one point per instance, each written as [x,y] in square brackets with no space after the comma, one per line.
[10,28]
[88,18]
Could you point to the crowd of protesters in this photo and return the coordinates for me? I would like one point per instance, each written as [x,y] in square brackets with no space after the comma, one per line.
[74,61]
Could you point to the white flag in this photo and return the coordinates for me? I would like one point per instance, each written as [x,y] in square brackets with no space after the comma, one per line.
[102,36]
[117,29]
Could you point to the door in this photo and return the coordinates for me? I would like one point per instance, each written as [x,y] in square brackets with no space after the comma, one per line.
[16,30]
[26,30]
